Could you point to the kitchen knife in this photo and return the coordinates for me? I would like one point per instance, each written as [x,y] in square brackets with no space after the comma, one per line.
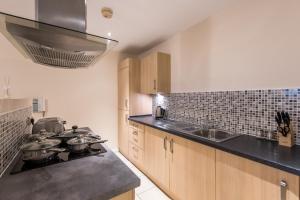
[279,118]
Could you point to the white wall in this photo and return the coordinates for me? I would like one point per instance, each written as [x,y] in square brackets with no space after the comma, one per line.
[254,44]
[86,97]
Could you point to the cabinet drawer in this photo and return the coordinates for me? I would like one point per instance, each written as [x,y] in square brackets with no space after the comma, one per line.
[136,137]
[136,154]
[137,126]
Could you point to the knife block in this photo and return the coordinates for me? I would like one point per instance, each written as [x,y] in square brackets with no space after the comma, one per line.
[287,141]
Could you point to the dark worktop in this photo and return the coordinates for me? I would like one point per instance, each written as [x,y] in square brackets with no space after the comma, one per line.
[262,151]
[91,178]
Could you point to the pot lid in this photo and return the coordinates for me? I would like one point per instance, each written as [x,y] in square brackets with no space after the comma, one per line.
[42,136]
[82,140]
[40,145]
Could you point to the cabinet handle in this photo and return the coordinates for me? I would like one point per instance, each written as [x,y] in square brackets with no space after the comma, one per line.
[126,117]
[172,146]
[135,140]
[135,133]
[283,187]
[134,149]
[165,143]
[126,103]
[154,86]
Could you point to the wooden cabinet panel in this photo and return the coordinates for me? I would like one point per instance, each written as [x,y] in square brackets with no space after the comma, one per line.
[156,158]
[123,131]
[130,195]
[241,179]
[136,155]
[123,88]
[192,170]
[156,73]
[136,136]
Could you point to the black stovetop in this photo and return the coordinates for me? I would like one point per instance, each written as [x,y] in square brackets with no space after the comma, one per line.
[21,166]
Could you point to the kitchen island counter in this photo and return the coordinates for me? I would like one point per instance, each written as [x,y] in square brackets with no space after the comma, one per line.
[91,178]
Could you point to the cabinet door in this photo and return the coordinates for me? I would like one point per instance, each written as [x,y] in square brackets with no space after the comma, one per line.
[156,158]
[123,132]
[192,170]
[149,74]
[241,179]
[123,88]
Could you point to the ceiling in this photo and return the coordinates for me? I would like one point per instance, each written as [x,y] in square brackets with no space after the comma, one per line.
[137,24]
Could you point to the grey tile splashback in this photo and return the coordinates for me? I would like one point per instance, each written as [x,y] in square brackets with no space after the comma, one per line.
[13,129]
[245,112]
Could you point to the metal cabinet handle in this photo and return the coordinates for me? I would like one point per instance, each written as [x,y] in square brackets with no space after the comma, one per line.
[135,133]
[135,149]
[165,143]
[154,82]
[126,117]
[283,188]
[126,103]
[172,146]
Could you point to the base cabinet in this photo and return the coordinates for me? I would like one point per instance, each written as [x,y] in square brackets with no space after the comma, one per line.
[126,196]
[123,131]
[156,157]
[241,179]
[192,170]
[185,170]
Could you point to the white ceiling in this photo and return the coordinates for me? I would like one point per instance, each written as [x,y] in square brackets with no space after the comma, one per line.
[137,24]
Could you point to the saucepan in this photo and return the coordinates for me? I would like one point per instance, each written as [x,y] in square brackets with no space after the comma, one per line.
[41,149]
[82,143]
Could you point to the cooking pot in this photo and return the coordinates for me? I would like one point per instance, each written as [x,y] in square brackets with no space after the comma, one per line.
[41,136]
[69,134]
[41,149]
[82,143]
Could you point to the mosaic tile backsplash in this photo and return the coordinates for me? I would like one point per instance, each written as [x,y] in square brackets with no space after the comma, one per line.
[245,112]
[13,130]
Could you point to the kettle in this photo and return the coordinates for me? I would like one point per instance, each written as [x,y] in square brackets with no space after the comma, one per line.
[159,112]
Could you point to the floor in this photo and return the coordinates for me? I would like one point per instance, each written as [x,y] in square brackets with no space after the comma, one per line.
[147,190]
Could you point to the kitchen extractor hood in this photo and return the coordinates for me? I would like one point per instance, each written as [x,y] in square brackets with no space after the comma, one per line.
[58,36]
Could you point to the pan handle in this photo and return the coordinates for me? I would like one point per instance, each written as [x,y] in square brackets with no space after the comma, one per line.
[57,150]
[96,142]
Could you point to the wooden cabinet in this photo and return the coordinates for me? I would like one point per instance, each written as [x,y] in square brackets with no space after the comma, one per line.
[156,157]
[123,131]
[239,178]
[192,170]
[182,168]
[156,73]
[188,170]
[130,195]
[136,144]
[130,101]
[123,88]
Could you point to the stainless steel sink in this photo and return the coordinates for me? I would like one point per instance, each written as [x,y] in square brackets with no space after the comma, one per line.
[215,135]
[210,134]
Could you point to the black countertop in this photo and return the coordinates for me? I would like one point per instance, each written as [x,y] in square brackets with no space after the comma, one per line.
[262,151]
[90,178]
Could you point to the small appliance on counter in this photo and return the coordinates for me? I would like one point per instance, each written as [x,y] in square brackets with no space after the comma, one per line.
[159,112]
[51,124]
[286,135]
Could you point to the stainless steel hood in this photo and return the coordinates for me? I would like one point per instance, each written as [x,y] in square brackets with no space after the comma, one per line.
[58,36]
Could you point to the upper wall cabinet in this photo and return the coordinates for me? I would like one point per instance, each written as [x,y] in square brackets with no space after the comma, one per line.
[156,73]
[129,80]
